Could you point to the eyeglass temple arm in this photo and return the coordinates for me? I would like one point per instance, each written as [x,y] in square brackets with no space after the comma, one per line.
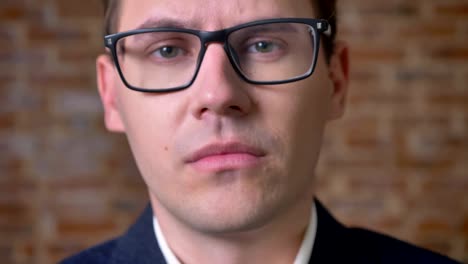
[324,28]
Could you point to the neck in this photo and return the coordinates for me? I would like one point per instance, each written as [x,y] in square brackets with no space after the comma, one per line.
[276,241]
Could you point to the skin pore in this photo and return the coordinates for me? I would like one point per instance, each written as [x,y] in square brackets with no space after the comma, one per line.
[243,208]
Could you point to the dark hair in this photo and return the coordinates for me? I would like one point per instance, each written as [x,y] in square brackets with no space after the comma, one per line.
[326,9]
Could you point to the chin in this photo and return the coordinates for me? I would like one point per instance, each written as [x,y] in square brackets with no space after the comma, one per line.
[233,212]
[239,221]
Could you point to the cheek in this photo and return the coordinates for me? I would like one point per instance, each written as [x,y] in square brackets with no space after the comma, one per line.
[148,130]
[146,116]
[312,113]
[297,117]
[302,108]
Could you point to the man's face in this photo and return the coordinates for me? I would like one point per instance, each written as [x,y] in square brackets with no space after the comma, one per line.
[224,155]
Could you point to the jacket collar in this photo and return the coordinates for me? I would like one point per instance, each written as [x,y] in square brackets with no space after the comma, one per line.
[139,244]
[330,238]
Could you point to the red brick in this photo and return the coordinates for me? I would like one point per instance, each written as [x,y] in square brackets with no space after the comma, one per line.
[451,53]
[5,80]
[455,99]
[12,13]
[363,133]
[14,210]
[10,57]
[11,167]
[455,9]
[365,32]
[16,227]
[6,253]
[371,96]
[7,36]
[443,183]
[79,9]
[428,78]
[378,182]
[7,121]
[390,223]
[68,35]
[70,228]
[355,162]
[81,184]
[434,225]
[387,8]
[79,56]
[439,158]
[364,75]
[380,55]
[465,226]
[17,186]
[55,80]
[428,30]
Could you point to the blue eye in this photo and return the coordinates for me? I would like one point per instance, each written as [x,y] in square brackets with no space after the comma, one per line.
[168,52]
[262,47]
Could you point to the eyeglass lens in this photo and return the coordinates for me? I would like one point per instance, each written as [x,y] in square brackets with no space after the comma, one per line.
[262,53]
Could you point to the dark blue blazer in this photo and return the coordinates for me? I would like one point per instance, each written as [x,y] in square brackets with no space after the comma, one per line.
[334,243]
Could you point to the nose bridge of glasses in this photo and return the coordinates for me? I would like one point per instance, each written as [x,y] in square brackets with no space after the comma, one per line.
[220,37]
[208,37]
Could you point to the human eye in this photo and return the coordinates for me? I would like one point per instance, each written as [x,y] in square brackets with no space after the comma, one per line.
[168,52]
[170,47]
[263,49]
[262,46]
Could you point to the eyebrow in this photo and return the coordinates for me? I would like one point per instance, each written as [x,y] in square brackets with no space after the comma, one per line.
[268,29]
[154,22]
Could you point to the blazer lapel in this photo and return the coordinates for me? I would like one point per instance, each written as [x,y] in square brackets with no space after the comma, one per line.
[139,244]
[329,245]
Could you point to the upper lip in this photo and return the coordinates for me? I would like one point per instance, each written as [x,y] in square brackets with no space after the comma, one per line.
[223,149]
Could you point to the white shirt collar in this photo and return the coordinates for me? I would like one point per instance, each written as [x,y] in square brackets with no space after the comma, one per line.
[305,251]
[302,257]
[166,251]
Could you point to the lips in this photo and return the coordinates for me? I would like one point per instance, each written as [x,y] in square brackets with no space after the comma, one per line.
[224,149]
[219,156]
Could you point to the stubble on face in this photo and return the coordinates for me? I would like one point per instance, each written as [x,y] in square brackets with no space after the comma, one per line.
[287,122]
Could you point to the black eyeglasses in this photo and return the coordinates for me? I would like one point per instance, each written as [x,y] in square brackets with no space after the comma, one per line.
[264,52]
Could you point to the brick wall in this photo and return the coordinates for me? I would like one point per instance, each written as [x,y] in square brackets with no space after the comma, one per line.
[397,162]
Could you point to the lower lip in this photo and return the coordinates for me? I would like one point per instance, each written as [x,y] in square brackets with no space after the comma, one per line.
[224,162]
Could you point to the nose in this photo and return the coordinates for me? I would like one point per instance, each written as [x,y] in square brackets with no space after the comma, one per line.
[218,90]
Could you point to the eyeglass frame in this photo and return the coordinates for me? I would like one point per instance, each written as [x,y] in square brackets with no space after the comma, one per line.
[321,26]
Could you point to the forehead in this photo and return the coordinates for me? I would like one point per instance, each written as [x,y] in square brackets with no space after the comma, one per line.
[208,14]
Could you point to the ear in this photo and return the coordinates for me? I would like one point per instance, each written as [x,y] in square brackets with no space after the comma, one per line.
[107,80]
[339,75]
